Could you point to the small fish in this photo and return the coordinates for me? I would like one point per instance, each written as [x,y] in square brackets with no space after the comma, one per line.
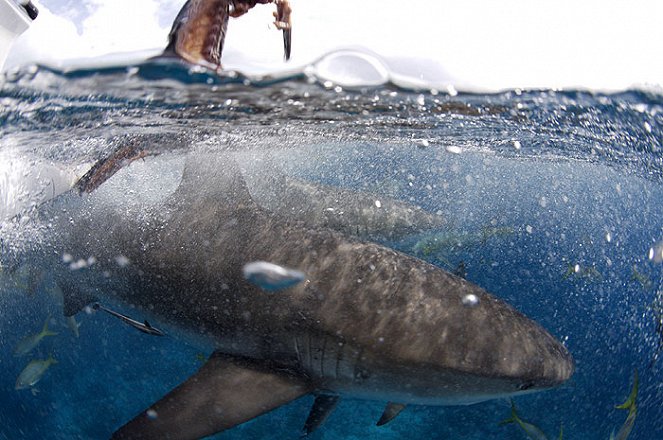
[631,406]
[446,242]
[460,270]
[657,309]
[144,327]
[488,232]
[33,372]
[641,278]
[532,431]
[28,279]
[270,276]
[73,325]
[588,273]
[27,344]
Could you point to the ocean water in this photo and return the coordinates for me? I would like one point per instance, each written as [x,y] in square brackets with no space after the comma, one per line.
[551,200]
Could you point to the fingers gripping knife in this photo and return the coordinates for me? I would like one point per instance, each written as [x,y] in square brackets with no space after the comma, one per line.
[199,30]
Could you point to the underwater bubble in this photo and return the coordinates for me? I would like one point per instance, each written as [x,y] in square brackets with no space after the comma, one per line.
[151,414]
[378,204]
[656,253]
[470,300]
[270,276]
[79,264]
[122,261]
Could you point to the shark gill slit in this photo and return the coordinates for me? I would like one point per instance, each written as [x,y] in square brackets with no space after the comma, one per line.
[310,352]
[299,356]
[339,357]
[322,356]
[355,366]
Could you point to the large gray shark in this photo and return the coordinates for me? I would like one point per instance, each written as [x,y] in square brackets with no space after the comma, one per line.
[367,322]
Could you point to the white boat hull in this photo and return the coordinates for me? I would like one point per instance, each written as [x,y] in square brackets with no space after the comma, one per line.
[14,20]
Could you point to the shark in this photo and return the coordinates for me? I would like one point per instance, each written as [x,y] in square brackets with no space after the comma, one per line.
[367,321]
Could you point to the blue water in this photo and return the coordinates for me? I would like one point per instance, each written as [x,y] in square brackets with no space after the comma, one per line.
[552,200]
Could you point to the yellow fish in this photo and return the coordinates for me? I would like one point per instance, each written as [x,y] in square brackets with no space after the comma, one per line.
[33,372]
[28,279]
[632,408]
[532,431]
[588,273]
[641,278]
[28,343]
[73,325]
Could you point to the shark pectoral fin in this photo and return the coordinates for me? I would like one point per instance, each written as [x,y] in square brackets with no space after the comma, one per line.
[323,406]
[390,413]
[225,392]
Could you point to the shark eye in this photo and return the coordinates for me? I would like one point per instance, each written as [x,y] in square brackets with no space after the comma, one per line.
[525,386]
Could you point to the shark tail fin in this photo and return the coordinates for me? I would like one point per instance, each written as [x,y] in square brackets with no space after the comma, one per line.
[630,401]
[514,415]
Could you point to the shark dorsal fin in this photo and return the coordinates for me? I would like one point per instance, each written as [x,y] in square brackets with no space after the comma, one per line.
[390,412]
[323,406]
[214,178]
[225,392]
